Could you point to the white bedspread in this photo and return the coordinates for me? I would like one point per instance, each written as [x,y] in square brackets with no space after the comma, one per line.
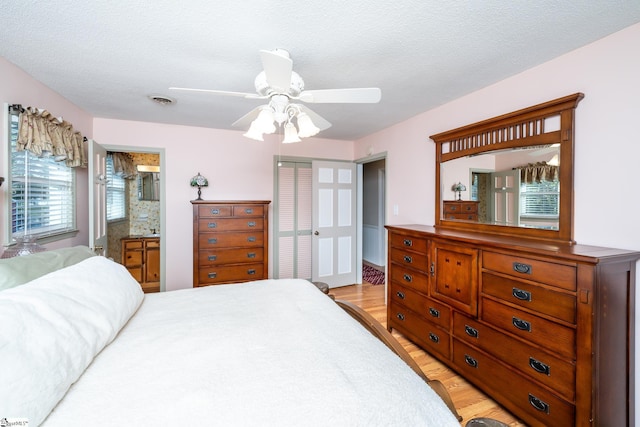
[266,353]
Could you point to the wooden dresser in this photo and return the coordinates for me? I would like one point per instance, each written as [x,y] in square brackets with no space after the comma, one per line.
[230,241]
[460,209]
[141,256]
[543,328]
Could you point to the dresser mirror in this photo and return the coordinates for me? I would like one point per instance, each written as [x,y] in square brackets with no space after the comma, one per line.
[515,172]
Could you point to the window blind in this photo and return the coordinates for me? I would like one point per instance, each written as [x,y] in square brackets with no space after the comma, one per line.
[540,199]
[116,200]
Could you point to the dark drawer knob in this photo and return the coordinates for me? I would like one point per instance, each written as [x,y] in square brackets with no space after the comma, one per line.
[212,257]
[433,337]
[215,211]
[470,361]
[251,239]
[519,267]
[433,312]
[400,294]
[212,224]
[521,294]
[407,277]
[251,255]
[251,272]
[212,241]
[472,332]
[468,208]
[540,367]
[408,259]
[400,316]
[538,404]
[523,325]
[212,275]
[407,242]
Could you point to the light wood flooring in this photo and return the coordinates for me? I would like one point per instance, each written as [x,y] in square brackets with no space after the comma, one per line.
[470,402]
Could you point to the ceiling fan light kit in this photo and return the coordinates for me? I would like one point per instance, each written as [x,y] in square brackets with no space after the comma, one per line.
[280,84]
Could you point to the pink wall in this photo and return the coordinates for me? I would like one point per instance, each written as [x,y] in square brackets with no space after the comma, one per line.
[237,168]
[607,142]
[17,87]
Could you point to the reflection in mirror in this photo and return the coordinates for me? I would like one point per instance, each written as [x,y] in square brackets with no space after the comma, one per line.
[517,187]
[148,183]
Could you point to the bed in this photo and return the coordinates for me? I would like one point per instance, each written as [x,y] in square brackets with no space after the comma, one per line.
[83,346]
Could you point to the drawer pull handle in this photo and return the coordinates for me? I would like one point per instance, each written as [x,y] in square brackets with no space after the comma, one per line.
[470,361]
[408,259]
[251,272]
[212,225]
[468,208]
[251,239]
[215,211]
[251,224]
[400,294]
[212,241]
[472,332]
[400,316]
[248,211]
[408,242]
[523,325]
[212,275]
[251,255]
[212,257]
[433,337]
[407,277]
[520,294]
[540,367]
[433,312]
[538,404]
[519,267]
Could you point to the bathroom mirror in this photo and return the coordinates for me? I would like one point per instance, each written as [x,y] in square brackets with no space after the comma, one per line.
[517,171]
[148,186]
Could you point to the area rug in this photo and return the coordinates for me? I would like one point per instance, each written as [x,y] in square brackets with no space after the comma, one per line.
[371,275]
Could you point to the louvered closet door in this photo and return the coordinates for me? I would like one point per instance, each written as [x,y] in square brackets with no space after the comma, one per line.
[294,221]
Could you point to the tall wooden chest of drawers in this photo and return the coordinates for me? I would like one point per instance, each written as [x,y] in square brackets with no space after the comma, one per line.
[545,329]
[230,241]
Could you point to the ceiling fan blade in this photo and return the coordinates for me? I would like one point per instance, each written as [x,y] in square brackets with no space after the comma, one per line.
[220,92]
[245,121]
[277,67]
[367,95]
[317,120]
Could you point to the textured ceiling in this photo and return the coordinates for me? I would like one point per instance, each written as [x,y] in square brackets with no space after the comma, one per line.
[108,56]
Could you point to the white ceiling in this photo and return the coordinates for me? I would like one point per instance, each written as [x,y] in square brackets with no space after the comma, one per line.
[108,56]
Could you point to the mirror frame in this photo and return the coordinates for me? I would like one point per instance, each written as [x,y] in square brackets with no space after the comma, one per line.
[522,128]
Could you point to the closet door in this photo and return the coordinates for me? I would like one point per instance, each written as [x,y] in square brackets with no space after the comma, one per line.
[293,221]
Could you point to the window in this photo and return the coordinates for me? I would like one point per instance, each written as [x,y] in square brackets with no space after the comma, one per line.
[42,192]
[540,199]
[116,198]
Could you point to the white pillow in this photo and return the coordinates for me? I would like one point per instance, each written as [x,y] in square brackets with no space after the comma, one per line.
[52,327]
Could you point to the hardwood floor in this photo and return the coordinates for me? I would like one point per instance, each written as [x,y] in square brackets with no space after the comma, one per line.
[470,402]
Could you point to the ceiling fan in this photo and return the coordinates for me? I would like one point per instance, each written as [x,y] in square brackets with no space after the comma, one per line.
[284,88]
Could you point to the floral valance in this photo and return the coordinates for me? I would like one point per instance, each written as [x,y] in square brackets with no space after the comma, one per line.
[123,165]
[45,135]
[537,172]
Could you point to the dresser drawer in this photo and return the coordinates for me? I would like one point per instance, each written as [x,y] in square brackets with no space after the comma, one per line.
[460,207]
[533,297]
[226,240]
[410,259]
[531,328]
[412,243]
[562,276]
[133,258]
[231,273]
[465,216]
[134,244]
[530,361]
[230,224]
[242,210]
[409,278]
[230,256]
[432,310]
[152,243]
[516,393]
[430,335]
[214,211]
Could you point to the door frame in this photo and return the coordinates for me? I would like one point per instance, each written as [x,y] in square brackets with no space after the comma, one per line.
[163,199]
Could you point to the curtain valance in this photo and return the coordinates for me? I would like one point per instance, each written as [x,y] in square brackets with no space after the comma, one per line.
[123,165]
[537,172]
[45,135]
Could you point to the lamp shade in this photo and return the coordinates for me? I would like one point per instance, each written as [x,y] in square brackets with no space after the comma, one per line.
[254,132]
[290,134]
[264,121]
[306,128]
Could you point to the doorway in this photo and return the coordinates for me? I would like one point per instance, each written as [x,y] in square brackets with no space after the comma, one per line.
[373,218]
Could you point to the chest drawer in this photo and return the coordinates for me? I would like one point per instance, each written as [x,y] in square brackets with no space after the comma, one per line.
[214,211]
[229,273]
[416,244]
[222,240]
[133,258]
[410,259]
[562,276]
[521,396]
[230,224]
[430,309]
[430,335]
[530,361]
[531,328]
[533,297]
[231,256]
[459,207]
[242,210]
[409,278]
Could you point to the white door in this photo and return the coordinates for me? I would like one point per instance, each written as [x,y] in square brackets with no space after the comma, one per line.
[505,192]
[97,198]
[334,223]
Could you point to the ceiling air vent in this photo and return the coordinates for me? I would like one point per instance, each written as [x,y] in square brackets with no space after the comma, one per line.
[162,100]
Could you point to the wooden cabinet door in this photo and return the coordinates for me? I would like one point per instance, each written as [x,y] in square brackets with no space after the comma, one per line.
[152,273]
[455,270]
